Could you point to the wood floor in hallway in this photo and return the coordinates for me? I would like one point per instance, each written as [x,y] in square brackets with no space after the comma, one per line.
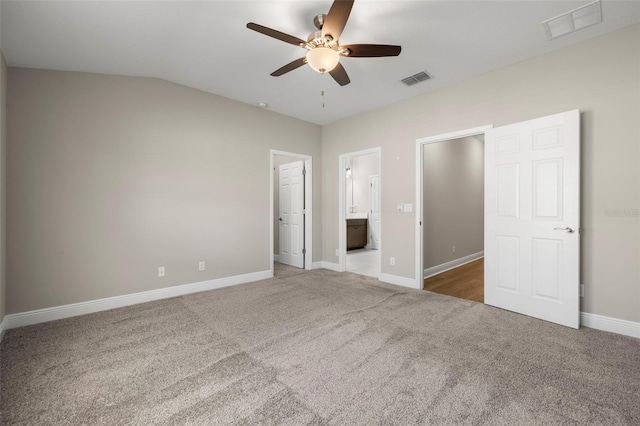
[464,282]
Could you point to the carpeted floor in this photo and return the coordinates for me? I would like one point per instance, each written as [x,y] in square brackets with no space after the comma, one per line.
[316,347]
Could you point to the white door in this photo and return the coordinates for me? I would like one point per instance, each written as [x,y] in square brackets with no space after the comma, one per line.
[532,218]
[374,212]
[291,214]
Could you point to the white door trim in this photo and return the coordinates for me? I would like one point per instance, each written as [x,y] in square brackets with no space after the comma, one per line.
[308,197]
[420,143]
[370,233]
[342,215]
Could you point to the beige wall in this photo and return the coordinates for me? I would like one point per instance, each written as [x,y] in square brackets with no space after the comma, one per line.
[110,177]
[278,160]
[600,77]
[453,198]
[3,183]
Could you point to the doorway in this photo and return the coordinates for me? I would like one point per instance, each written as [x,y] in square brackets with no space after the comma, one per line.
[298,249]
[531,215]
[360,218]
[453,217]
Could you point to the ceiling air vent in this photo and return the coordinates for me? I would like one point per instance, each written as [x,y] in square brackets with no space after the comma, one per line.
[577,19]
[416,78]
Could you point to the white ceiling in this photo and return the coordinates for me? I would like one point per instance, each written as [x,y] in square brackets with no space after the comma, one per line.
[205,45]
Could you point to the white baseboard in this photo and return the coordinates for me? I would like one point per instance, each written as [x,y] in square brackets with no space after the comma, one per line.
[438,269]
[599,322]
[327,265]
[91,306]
[397,280]
[614,325]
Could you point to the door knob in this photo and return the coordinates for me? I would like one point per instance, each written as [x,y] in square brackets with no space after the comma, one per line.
[568,230]
[280,219]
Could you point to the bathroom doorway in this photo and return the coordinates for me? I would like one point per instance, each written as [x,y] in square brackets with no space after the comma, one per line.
[360,213]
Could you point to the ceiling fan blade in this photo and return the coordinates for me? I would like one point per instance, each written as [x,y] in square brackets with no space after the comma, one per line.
[290,67]
[276,34]
[371,50]
[336,19]
[340,75]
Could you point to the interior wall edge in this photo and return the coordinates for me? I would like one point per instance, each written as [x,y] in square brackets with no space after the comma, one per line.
[3,188]
[3,327]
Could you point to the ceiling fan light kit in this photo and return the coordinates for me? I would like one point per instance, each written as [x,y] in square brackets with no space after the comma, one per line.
[324,51]
[322,59]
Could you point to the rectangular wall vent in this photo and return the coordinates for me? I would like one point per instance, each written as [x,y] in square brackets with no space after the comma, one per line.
[416,78]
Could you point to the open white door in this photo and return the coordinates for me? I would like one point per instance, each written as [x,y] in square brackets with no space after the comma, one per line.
[532,218]
[374,212]
[291,217]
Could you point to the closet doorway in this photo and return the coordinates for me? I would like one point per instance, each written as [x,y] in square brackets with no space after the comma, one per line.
[291,198]
[452,193]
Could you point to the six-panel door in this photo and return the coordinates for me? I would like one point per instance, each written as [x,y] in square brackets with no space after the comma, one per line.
[532,218]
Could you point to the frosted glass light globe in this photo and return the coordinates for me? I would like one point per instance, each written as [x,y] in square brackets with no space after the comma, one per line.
[322,59]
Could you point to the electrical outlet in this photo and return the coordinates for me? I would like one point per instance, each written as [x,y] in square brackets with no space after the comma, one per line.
[454,249]
[581,290]
[161,271]
[408,207]
[392,261]
[201,265]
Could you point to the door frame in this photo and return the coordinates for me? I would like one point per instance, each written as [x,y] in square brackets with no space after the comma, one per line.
[308,206]
[420,143]
[342,214]
[370,243]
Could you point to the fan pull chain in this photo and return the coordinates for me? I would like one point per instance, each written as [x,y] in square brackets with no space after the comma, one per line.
[322,89]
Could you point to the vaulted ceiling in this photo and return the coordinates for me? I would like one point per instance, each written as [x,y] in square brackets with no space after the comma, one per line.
[206,45]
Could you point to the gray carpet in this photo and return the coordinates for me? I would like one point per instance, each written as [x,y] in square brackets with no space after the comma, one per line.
[316,348]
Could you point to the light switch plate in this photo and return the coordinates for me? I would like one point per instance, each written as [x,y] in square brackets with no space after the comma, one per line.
[408,207]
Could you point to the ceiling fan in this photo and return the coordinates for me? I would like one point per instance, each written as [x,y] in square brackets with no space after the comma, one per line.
[323,50]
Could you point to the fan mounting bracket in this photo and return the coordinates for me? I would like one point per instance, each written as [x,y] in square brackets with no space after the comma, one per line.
[318,21]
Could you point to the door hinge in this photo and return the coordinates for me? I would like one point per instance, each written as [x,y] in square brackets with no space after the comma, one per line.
[304,211]
[304,251]
[304,171]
